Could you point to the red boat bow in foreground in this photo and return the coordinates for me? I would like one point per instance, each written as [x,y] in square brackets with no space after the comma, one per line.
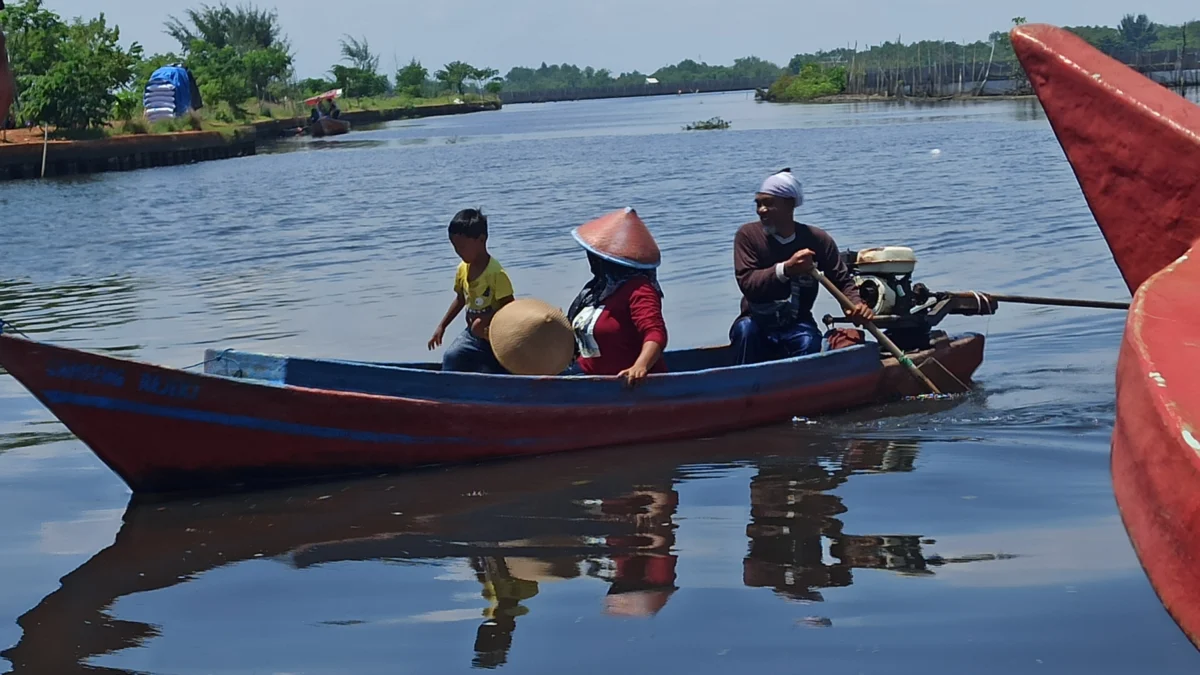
[1135,149]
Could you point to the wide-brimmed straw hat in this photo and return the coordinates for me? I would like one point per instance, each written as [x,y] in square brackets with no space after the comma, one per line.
[531,337]
[620,237]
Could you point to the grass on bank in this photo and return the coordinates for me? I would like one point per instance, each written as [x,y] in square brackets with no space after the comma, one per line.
[223,119]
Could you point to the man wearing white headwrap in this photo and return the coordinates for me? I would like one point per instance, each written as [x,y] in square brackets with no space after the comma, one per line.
[783,184]
[772,258]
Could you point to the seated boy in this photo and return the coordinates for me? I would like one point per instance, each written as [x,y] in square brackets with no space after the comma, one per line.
[482,287]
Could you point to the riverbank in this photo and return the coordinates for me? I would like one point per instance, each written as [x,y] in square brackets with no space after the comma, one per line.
[877,98]
[26,153]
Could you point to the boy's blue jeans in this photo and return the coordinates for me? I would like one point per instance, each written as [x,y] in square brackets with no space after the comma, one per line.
[469,354]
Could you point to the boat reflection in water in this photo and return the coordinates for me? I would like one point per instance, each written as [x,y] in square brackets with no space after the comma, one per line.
[608,515]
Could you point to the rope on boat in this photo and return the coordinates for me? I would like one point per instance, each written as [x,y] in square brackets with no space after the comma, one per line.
[8,324]
[981,301]
[223,356]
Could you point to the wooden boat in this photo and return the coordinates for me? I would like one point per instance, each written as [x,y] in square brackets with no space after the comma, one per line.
[253,419]
[328,126]
[1135,148]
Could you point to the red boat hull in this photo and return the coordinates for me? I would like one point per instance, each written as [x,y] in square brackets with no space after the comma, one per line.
[1135,149]
[1134,146]
[327,126]
[163,429]
[1155,451]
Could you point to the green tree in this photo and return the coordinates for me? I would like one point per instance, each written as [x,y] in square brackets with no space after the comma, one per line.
[1105,38]
[360,79]
[482,76]
[454,75]
[813,81]
[264,66]
[314,85]
[221,74]
[358,83]
[250,40]
[754,67]
[245,28]
[410,80]
[79,88]
[1137,32]
[35,36]
[359,55]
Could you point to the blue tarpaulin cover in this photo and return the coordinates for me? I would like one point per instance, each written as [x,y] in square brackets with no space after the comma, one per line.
[171,87]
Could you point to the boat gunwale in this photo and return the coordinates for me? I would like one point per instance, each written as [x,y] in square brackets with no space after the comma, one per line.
[873,367]
[576,382]
[425,372]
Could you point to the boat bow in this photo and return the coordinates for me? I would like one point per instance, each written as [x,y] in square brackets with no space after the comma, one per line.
[1135,148]
[1133,144]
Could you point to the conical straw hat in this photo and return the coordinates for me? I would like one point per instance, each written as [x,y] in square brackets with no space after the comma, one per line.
[621,237]
[636,603]
[530,337]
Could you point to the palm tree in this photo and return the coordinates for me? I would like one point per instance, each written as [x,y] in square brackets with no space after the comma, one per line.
[454,74]
[482,75]
[359,55]
[1137,32]
[245,28]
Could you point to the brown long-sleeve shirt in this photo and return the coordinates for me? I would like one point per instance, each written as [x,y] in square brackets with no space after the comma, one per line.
[765,290]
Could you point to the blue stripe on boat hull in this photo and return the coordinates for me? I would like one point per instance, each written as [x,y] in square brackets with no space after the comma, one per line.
[244,422]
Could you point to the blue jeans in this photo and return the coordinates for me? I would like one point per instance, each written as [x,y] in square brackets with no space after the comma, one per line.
[469,354]
[753,343]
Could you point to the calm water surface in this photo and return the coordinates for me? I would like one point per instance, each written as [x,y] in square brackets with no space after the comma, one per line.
[977,537]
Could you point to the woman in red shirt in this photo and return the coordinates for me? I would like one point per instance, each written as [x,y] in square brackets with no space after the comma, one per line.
[617,317]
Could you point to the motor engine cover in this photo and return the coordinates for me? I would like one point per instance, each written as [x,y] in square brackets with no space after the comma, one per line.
[877,293]
[888,260]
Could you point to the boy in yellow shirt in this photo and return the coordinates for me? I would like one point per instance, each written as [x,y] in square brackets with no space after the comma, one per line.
[482,287]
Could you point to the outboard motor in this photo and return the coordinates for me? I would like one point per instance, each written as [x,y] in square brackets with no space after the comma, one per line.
[905,312]
[884,279]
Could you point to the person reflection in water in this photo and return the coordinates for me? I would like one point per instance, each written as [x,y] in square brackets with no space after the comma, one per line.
[643,574]
[507,582]
[504,593]
[794,516]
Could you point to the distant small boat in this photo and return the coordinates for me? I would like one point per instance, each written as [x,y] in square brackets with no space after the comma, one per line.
[1135,148]
[328,126]
[323,96]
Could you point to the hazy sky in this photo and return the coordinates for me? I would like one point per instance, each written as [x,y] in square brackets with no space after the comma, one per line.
[621,35]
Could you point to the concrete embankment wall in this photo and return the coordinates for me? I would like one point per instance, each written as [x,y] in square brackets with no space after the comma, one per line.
[121,153]
[140,151]
[272,129]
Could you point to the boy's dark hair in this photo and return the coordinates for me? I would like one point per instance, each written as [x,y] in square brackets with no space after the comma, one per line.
[469,223]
